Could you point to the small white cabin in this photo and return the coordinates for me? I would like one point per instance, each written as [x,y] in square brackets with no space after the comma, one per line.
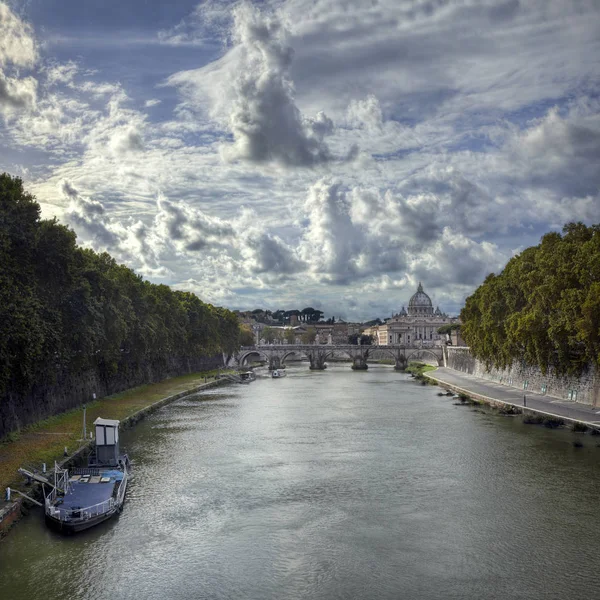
[107,441]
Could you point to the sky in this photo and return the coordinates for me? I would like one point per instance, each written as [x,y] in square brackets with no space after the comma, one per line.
[324,153]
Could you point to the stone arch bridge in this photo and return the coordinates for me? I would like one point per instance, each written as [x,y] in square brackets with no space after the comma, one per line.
[317,355]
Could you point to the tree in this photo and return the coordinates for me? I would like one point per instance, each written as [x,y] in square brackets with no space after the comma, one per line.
[309,337]
[543,308]
[271,335]
[307,313]
[279,316]
[65,309]
[444,329]
[291,313]
[246,336]
[290,336]
[317,315]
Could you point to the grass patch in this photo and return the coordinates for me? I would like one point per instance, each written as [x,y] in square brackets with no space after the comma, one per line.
[417,370]
[45,441]
[464,400]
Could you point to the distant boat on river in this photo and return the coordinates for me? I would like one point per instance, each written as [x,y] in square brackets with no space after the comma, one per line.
[278,373]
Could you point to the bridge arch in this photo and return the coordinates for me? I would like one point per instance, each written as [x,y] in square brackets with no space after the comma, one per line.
[301,353]
[332,353]
[438,360]
[392,353]
[244,356]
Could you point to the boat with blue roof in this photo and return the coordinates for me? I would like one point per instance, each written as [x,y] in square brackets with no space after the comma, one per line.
[83,497]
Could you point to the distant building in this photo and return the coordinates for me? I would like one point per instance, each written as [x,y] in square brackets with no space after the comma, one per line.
[417,325]
[336,333]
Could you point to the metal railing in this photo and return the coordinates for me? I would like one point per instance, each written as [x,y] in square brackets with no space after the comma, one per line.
[85,471]
[79,514]
[88,512]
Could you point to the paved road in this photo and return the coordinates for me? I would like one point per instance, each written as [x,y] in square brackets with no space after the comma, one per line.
[497,391]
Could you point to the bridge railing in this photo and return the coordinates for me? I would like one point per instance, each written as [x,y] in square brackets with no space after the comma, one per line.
[421,345]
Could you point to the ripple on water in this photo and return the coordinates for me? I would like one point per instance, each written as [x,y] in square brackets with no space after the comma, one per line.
[330,485]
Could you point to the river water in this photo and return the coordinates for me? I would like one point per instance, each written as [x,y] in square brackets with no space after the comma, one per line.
[325,485]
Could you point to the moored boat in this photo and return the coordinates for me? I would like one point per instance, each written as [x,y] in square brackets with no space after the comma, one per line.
[83,497]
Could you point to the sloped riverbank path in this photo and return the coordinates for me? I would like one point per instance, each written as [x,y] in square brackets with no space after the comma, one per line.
[490,391]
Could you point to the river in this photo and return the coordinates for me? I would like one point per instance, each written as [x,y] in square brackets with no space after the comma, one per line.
[326,485]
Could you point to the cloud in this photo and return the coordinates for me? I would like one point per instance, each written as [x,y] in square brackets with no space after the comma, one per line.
[454,259]
[88,218]
[366,114]
[17,93]
[462,163]
[209,22]
[244,239]
[17,49]
[58,73]
[126,139]
[262,251]
[249,92]
[560,153]
[17,44]
[188,228]
[265,121]
[332,242]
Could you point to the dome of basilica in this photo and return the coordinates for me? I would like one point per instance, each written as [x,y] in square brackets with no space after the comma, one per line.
[420,303]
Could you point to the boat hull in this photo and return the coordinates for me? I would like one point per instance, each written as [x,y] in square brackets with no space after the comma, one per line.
[70,527]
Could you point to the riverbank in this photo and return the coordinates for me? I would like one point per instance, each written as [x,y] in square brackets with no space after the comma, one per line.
[45,442]
[499,395]
[418,370]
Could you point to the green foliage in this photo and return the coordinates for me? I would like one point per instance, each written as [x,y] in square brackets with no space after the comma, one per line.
[448,328]
[309,337]
[270,335]
[544,308]
[364,340]
[64,307]
[246,336]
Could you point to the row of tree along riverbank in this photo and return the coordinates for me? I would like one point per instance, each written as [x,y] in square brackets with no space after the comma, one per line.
[543,310]
[74,323]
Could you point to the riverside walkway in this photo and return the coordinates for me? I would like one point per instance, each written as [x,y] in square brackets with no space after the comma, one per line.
[489,390]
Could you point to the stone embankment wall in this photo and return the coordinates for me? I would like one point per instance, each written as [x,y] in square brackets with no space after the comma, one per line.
[68,391]
[584,389]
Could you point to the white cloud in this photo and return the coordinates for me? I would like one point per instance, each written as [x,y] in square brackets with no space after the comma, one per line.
[17,93]
[265,122]
[126,139]
[88,218]
[17,44]
[17,49]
